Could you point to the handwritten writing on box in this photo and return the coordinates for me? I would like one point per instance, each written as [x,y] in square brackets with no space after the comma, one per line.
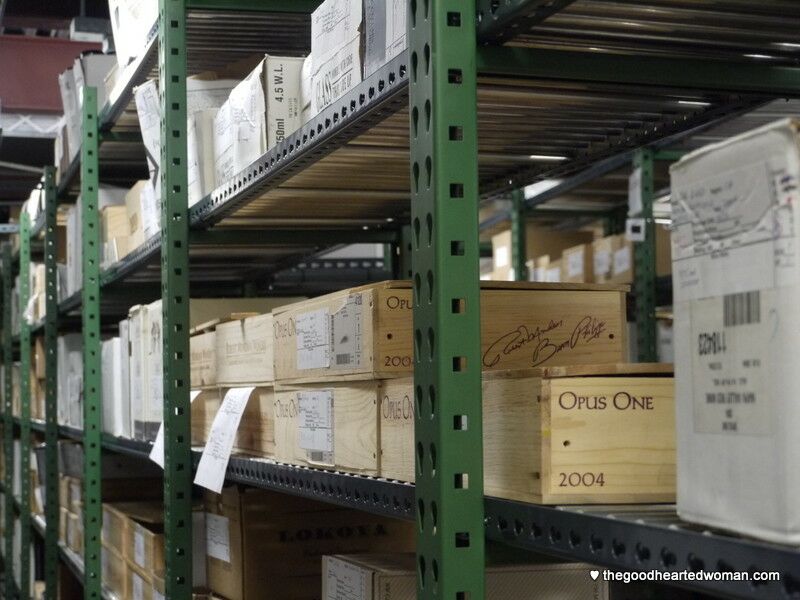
[544,342]
[214,461]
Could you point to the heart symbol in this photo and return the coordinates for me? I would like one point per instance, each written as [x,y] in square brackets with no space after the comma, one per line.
[594,574]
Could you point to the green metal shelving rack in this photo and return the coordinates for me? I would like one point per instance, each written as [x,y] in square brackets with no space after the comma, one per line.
[437,80]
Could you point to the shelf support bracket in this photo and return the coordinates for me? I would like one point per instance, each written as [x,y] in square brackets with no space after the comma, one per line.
[447,358]
[175,301]
[90,314]
[645,260]
[52,513]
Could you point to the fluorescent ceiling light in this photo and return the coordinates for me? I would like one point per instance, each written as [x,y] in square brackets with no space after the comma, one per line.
[792,45]
[761,56]
[694,103]
[547,157]
[540,187]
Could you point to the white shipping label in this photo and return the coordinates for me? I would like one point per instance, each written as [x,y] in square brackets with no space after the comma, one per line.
[137,586]
[346,581]
[335,75]
[622,260]
[735,231]
[315,424]
[214,460]
[602,262]
[731,336]
[313,331]
[218,537]
[574,264]
[157,451]
[346,333]
[635,193]
[138,548]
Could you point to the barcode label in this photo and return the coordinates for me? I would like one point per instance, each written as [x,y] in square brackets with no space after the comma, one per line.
[343,359]
[741,309]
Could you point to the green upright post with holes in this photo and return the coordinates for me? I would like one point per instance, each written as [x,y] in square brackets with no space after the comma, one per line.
[447,359]
[25,406]
[645,262]
[92,388]
[175,301]
[8,420]
[518,236]
[52,513]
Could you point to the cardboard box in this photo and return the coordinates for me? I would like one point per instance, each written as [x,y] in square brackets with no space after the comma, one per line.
[72,113]
[114,222]
[132,24]
[394,577]
[203,361]
[63,519]
[244,351]
[39,358]
[539,241]
[115,524]
[90,69]
[75,531]
[559,435]
[553,272]
[256,433]
[282,92]
[145,543]
[524,325]
[265,545]
[116,405]
[603,257]
[146,353]
[577,264]
[331,426]
[113,570]
[735,285]
[139,220]
[200,147]
[622,262]
[337,50]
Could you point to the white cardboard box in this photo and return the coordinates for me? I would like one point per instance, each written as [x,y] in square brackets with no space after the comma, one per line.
[240,126]
[200,148]
[116,408]
[132,22]
[69,354]
[385,32]
[90,69]
[72,113]
[336,27]
[282,92]
[736,281]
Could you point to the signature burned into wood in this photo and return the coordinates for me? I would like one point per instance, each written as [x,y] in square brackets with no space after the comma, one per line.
[541,341]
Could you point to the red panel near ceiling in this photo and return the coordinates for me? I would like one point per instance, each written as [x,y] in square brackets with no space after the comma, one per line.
[30,67]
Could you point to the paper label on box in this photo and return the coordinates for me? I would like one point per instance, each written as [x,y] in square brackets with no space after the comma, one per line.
[730,381]
[283,91]
[622,260]
[214,460]
[138,548]
[602,262]
[137,586]
[553,275]
[501,257]
[735,231]
[346,581]
[148,109]
[315,424]
[157,451]
[313,333]
[218,537]
[346,333]
[150,213]
[574,264]
[223,144]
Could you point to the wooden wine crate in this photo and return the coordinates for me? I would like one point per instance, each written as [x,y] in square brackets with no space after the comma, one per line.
[559,435]
[367,332]
[332,425]
[244,351]
[256,433]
